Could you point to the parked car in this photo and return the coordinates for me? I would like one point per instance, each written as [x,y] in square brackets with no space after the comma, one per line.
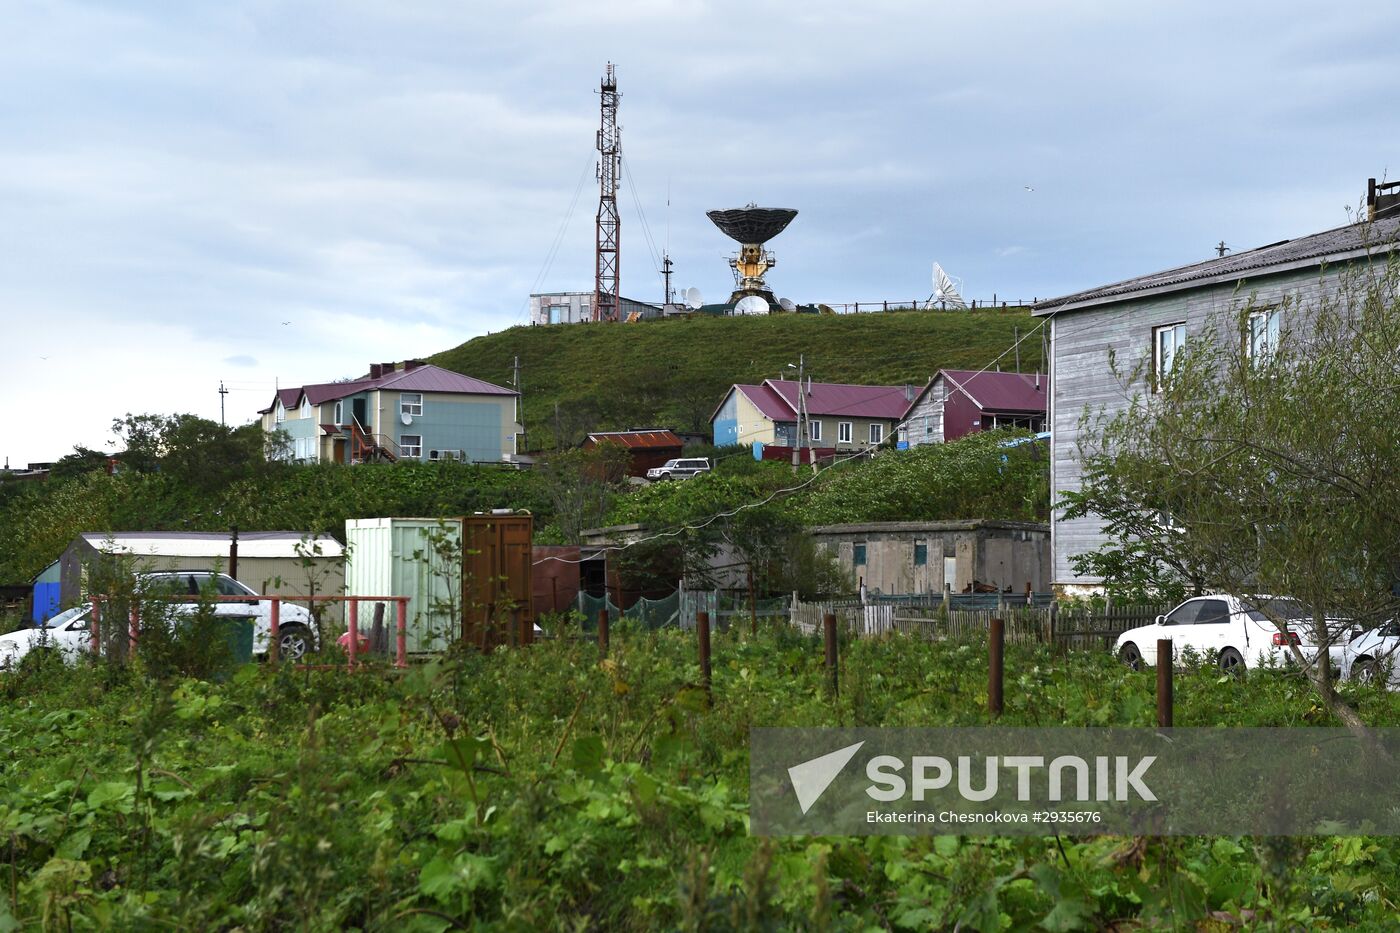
[1369,655]
[296,629]
[65,635]
[680,468]
[1236,630]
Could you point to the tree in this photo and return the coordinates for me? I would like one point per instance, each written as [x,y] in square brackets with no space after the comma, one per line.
[1258,470]
[196,451]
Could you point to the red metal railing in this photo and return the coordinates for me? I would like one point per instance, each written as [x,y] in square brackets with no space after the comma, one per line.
[275,621]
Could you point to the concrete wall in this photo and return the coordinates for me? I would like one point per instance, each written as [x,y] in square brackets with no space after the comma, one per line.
[1006,554]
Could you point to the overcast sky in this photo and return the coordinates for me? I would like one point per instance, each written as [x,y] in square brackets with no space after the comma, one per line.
[258,192]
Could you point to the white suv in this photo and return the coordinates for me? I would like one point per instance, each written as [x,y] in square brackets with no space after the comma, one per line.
[296,629]
[682,468]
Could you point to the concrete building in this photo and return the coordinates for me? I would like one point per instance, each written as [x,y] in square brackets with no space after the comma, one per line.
[912,558]
[958,402]
[1138,325]
[274,563]
[414,412]
[577,308]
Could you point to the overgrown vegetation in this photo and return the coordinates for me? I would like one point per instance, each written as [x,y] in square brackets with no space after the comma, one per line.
[580,378]
[540,789]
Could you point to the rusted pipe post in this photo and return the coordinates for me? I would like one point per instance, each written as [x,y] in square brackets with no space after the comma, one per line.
[1164,683]
[401,624]
[603,632]
[996,646]
[274,635]
[829,633]
[133,631]
[702,632]
[94,630]
[354,631]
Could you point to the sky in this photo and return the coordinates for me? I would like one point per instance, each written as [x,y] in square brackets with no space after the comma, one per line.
[255,194]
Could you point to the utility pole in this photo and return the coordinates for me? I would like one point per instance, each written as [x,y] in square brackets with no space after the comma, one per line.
[222,392]
[519,404]
[666,275]
[801,410]
[607,302]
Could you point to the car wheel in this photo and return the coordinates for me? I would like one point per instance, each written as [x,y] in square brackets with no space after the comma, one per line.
[293,642]
[1365,671]
[1231,662]
[1131,656]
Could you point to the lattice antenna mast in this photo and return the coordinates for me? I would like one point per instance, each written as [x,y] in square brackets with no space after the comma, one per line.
[607,304]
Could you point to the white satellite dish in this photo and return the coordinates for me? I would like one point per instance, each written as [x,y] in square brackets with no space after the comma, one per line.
[405,417]
[692,298]
[787,304]
[751,304]
[945,290]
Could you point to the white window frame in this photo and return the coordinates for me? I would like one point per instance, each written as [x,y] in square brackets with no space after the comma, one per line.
[340,411]
[1164,358]
[305,407]
[1262,337]
[280,412]
[412,409]
[877,433]
[814,430]
[415,450]
[843,432]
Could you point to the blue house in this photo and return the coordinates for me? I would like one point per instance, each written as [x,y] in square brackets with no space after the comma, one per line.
[416,411]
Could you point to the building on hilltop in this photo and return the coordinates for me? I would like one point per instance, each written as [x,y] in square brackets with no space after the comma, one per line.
[577,308]
[959,402]
[416,412]
[839,417]
[1139,325]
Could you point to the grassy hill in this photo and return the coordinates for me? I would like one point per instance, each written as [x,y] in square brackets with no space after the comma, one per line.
[579,378]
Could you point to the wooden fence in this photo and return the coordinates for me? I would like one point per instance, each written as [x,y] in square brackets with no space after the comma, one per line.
[1076,627]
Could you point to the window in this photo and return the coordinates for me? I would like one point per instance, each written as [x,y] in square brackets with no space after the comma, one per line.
[1263,334]
[877,433]
[281,412]
[1185,614]
[1166,344]
[411,403]
[1213,612]
[920,554]
[411,445]
[859,555]
[814,430]
[305,407]
[339,412]
[928,427]
[304,448]
[843,432]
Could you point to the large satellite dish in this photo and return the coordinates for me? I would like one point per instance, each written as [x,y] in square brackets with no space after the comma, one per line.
[751,304]
[825,309]
[787,304]
[945,290]
[692,298]
[752,224]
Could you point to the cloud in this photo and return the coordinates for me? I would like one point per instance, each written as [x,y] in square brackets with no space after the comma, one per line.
[241,359]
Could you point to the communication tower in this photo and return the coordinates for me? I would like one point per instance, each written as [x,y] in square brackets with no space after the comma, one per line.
[607,304]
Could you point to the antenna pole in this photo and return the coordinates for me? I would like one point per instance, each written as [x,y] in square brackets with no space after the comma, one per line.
[607,258]
[666,275]
[222,392]
[519,408]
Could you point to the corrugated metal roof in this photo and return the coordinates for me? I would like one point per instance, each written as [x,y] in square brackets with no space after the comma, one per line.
[1342,242]
[425,378]
[212,543]
[828,398]
[638,439]
[772,405]
[1015,392]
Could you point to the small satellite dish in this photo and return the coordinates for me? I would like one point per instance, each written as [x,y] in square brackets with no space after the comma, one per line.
[405,417]
[825,309]
[692,298]
[787,304]
[945,290]
[751,304]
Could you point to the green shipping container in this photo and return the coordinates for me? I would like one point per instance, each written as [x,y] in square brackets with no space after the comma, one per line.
[420,558]
[240,639]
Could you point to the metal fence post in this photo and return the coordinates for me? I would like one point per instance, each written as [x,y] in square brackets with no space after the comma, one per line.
[1164,683]
[996,645]
[274,645]
[702,631]
[401,624]
[354,631]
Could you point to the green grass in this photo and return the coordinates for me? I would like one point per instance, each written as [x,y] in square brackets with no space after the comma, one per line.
[539,789]
[675,372]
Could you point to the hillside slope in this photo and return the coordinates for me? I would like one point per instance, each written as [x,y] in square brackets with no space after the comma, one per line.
[586,377]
